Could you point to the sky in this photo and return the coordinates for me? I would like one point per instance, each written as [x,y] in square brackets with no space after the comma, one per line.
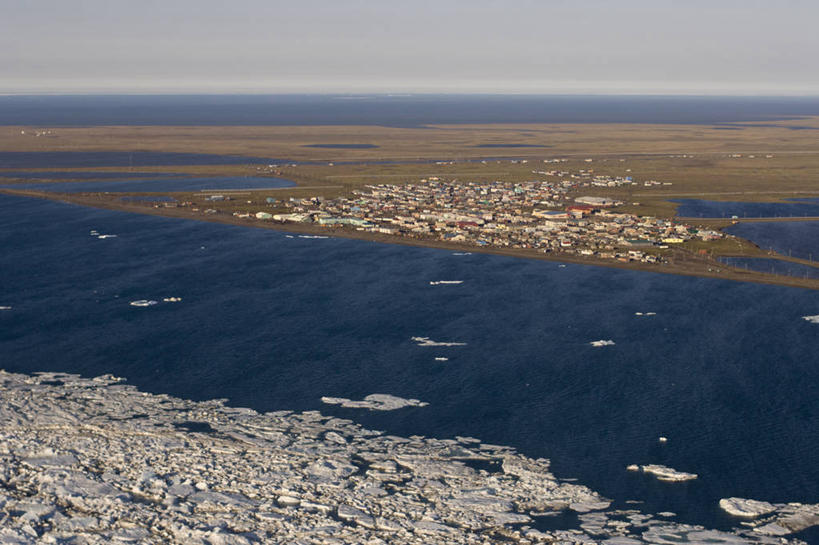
[746,47]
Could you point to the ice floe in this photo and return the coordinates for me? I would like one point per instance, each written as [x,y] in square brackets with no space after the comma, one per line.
[375,402]
[602,343]
[445,282]
[426,341]
[96,461]
[740,507]
[812,319]
[663,473]
[143,303]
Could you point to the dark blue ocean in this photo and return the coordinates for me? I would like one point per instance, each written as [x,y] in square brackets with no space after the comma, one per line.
[728,371]
[404,110]
[160,183]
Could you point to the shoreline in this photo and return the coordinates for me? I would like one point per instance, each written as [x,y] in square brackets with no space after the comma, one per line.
[695,266]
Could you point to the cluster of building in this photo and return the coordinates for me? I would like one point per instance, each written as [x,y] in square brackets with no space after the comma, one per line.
[540,215]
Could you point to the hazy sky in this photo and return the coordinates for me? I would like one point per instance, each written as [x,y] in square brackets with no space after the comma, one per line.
[511,46]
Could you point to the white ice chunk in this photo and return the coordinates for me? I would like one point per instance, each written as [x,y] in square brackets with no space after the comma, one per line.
[426,341]
[665,473]
[143,303]
[740,507]
[602,343]
[375,402]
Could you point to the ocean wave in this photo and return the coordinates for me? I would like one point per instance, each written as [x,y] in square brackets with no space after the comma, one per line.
[445,282]
[812,319]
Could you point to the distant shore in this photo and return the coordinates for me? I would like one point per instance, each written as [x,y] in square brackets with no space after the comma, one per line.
[682,263]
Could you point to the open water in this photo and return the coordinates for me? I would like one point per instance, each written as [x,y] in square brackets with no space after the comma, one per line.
[794,238]
[406,110]
[728,371]
[160,184]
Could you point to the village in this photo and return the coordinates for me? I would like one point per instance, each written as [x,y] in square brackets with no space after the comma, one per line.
[549,215]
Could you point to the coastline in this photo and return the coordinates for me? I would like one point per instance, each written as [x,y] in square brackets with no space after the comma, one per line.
[684,264]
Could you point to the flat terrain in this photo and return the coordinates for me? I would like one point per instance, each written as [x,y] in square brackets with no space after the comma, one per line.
[768,161]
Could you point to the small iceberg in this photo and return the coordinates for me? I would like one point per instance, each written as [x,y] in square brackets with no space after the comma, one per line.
[602,343]
[143,303]
[445,282]
[106,236]
[172,299]
[440,358]
[812,319]
[740,507]
[375,402]
[663,473]
[426,341]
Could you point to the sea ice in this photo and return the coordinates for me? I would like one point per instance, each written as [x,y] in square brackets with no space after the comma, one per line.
[286,477]
[143,303]
[426,341]
[664,473]
[740,507]
[602,343]
[812,319]
[375,402]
